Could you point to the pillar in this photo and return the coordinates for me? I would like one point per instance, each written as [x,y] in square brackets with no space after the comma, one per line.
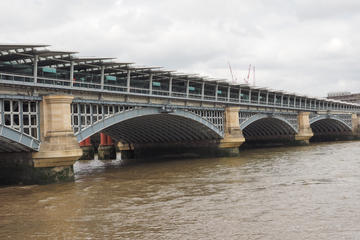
[126,150]
[355,119]
[88,149]
[58,152]
[233,137]
[304,130]
[106,150]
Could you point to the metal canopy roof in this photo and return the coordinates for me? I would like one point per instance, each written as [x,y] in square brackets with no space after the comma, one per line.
[25,54]
[8,47]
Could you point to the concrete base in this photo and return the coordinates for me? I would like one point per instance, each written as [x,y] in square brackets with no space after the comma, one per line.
[127,154]
[106,152]
[88,153]
[180,151]
[18,168]
[331,138]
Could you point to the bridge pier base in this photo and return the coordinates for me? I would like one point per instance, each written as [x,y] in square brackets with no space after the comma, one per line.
[233,136]
[58,152]
[106,149]
[355,119]
[304,130]
[126,150]
[106,152]
[88,153]
[88,150]
[18,168]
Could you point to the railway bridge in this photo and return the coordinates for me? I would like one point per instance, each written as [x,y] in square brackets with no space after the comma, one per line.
[56,106]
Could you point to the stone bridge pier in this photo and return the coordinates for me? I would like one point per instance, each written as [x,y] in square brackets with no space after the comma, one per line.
[58,151]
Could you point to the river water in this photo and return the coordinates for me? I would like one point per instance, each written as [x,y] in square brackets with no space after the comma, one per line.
[310,192]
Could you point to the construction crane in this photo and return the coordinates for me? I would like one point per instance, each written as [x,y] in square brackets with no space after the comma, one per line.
[234,80]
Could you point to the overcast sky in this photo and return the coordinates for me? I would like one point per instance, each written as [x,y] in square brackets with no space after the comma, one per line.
[304,46]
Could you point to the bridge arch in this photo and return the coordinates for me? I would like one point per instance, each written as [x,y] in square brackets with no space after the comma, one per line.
[329,126]
[267,127]
[15,141]
[153,125]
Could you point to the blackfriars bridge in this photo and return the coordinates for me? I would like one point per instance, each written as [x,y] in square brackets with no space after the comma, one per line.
[55,105]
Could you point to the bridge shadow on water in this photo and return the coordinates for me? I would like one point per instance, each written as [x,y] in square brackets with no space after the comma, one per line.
[250,154]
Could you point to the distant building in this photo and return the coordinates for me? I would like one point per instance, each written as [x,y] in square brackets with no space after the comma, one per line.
[345,96]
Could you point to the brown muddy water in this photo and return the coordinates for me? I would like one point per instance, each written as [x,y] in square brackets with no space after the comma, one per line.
[310,192]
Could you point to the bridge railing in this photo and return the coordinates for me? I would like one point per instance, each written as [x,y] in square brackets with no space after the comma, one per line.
[40,81]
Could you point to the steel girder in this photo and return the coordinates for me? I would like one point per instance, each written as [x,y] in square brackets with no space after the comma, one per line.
[323,125]
[14,141]
[267,126]
[332,117]
[152,125]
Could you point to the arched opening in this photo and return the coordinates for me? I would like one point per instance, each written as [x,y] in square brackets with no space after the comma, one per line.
[268,131]
[329,129]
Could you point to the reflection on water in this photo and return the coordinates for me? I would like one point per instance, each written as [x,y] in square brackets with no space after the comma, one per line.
[279,193]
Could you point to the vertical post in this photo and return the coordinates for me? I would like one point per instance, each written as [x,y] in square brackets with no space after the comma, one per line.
[294,101]
[170,86]
[187,88]
[35,71]
[103,139]
[274,99]
[21,116]
[249,95]
[128,80]
[38,119]
[102,76]
[216,91]
[71,73]
[228,94]
[109,141]
[305,103]
[150,83]
[267,98]
[2,113]
[259,95]
[239,94]
[300,102]
[202,90]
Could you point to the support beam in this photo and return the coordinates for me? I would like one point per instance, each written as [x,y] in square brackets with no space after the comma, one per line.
[35,71]
[228,94]
[187,88]
[170,85]
[102,81]
[202,90]
[216,92]
[128,80]
[150,84]
[71,73]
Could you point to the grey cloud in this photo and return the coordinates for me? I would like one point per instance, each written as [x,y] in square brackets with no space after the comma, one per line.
[304,46]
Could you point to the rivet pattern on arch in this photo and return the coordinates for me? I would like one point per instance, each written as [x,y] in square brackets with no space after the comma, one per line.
[345,118]
[291,118]
[84,115]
